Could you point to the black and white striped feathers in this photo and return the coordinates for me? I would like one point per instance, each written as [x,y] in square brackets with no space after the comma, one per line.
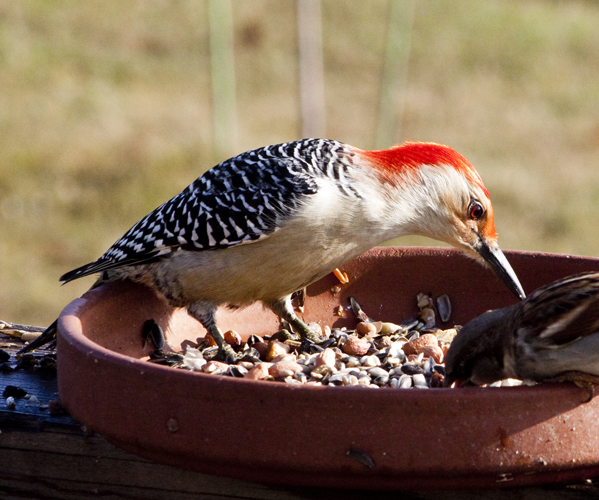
[238,201]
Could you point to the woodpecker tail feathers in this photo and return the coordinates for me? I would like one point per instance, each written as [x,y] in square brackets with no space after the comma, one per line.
[47,336]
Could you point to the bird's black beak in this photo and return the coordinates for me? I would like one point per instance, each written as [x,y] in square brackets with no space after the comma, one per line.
[501,267]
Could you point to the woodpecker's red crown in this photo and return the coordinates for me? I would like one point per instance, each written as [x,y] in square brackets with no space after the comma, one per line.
[411,155]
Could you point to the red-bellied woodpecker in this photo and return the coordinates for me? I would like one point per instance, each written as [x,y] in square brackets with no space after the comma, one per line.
[551,335]
[268,222]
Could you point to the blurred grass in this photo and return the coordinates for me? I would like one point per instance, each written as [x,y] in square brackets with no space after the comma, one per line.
[105,112]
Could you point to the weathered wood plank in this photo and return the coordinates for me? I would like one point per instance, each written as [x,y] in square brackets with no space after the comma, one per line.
[84,466]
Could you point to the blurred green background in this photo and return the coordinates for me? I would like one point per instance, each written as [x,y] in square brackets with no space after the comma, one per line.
[106,111]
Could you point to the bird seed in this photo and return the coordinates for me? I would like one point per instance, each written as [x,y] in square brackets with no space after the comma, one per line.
[376,354]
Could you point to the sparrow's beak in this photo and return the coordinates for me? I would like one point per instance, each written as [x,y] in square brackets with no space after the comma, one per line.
[501,267]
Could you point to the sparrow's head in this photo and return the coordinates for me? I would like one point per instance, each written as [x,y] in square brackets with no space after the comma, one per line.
[480,354]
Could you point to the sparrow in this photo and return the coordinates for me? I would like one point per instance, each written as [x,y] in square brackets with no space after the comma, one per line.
[552,335]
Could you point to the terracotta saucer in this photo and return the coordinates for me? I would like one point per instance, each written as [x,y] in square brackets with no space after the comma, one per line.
[347,437]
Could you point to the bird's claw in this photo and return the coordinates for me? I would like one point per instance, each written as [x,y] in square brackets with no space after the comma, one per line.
[313,336]
[227,355]
[589,387]
[304,331]
[283,335]
[585,381]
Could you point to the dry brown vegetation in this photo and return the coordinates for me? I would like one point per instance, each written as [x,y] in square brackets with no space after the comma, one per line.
[105,112]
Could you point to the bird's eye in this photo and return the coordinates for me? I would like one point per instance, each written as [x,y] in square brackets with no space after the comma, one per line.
[476,210]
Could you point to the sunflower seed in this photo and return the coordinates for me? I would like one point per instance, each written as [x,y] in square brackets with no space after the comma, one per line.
[444,307]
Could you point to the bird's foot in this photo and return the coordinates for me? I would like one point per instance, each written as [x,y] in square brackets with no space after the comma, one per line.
[283,335]
[226,354]
[283,309]
[589,387]
[310,335]
[585,381]
[303,330]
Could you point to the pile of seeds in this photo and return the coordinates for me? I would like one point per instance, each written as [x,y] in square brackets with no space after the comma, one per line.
[376,354]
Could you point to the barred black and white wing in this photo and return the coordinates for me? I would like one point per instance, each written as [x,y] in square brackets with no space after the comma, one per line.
[238,201]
